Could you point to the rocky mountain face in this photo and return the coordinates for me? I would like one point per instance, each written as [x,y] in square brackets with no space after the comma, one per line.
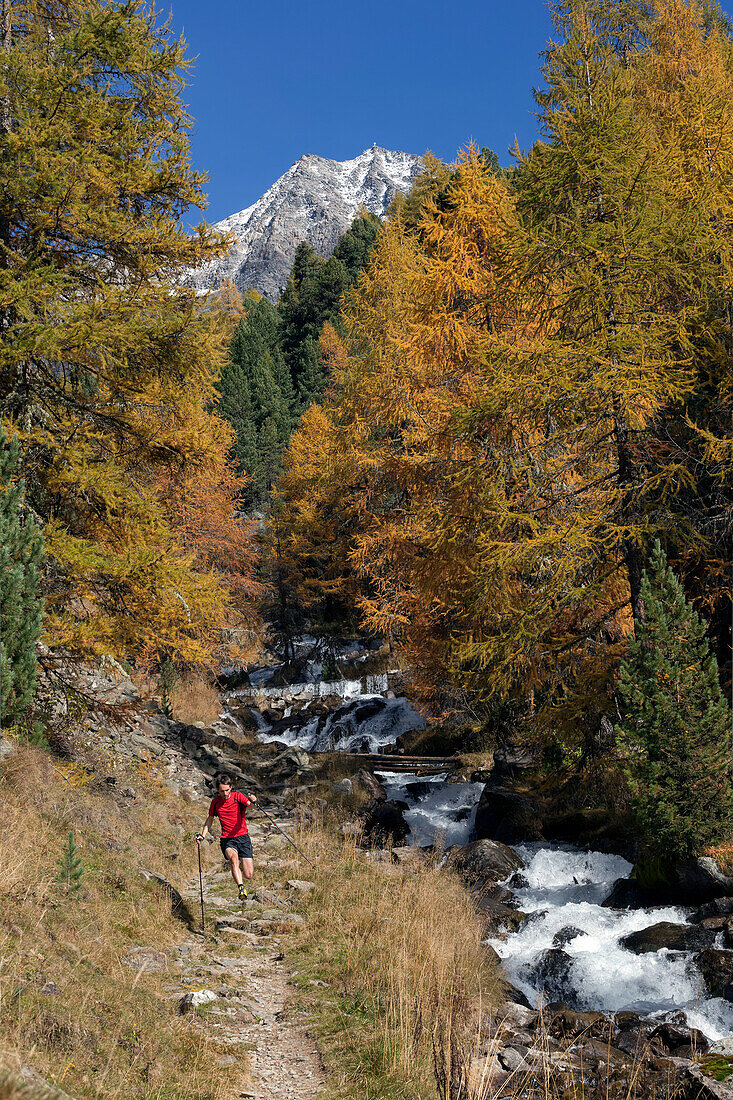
[315,201]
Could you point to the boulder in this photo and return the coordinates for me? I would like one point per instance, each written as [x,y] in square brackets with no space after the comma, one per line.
[511,1060]
[702,880]
[568,1023]
[179,908]
[718,907]
[383,822]
[371,785]
[678,1038]
[146,960]
[512,763]
[407,854]
[301,886]
[195,999]
[506,816]
[632,1041]
[553,975]
[520,1015]
[343,787]
[484,862]
[628,894]
[694,1085]
[498,916]
[716,968]
[515,997]
[674,937]
[565,936]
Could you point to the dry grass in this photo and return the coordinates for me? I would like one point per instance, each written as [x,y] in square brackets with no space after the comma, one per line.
[195,699]
[408,979]
[723,855]
[109,1030]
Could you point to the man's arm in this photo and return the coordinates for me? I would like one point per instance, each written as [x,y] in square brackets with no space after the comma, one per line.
[207,825]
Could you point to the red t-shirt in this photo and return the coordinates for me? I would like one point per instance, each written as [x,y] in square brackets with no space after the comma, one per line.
[230,812]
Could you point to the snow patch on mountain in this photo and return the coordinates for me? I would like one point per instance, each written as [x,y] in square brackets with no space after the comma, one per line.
[314,201]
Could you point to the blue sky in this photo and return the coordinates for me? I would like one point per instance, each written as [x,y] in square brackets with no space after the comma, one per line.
[272,81]
[277,79]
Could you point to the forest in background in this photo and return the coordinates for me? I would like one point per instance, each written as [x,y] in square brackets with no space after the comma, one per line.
[496,429]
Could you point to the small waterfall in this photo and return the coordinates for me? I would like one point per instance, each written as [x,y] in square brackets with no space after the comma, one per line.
[438,811]
[561,889]
[365,723]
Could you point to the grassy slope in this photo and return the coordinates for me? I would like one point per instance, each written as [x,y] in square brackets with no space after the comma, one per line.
[399,951]
[110,1030]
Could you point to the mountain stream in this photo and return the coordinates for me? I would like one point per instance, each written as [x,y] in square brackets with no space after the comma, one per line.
[569,947]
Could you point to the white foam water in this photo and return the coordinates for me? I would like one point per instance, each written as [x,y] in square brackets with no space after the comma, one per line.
[312,689]
[561,889]
[439,812]
[365,723]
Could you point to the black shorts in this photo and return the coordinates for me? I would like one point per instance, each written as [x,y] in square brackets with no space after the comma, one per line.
[241,844]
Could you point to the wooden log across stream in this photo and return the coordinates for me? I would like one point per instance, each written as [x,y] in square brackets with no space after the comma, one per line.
[422,765]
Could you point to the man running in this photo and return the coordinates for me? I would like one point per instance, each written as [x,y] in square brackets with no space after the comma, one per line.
[230,807]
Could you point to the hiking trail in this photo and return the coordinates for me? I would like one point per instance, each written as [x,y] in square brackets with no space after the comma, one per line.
[235,980]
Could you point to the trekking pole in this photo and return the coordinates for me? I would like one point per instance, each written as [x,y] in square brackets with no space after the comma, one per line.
[305,857]
[201,888]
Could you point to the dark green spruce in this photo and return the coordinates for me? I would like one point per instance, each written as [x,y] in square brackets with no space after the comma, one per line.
[21,605]
[675,734]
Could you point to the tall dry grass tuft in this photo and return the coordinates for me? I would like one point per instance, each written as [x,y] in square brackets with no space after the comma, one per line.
[69,1005]
[195,699]
[400,948]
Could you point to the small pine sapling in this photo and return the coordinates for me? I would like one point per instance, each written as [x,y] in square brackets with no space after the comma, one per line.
[674,736]
[71,868]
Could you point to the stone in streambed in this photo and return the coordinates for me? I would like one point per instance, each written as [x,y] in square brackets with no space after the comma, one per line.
[552,974]
[674,937]
[718,907]
[716,968]
[566,936]
[383,822]
[567,1023]
[702,880]
[506,816]
[484,862]
[678,1039]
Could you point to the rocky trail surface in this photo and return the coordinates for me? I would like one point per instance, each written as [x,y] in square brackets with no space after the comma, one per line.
[234,981]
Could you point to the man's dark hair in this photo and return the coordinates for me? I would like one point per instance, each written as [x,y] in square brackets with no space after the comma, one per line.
[222,777]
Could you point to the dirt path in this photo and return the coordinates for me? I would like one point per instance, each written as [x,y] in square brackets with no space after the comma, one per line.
[238,974]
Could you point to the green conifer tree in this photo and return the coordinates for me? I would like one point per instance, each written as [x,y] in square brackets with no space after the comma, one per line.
[311,378]
[270,452]
[71,868]
[675,734]
[21,606]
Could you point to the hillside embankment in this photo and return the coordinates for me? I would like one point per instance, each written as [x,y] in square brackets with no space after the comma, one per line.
[367,974]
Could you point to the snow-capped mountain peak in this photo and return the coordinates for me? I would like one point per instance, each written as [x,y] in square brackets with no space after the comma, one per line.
[314,201]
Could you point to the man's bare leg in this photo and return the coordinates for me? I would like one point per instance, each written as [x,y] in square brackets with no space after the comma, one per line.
[233,856]
[248,867]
